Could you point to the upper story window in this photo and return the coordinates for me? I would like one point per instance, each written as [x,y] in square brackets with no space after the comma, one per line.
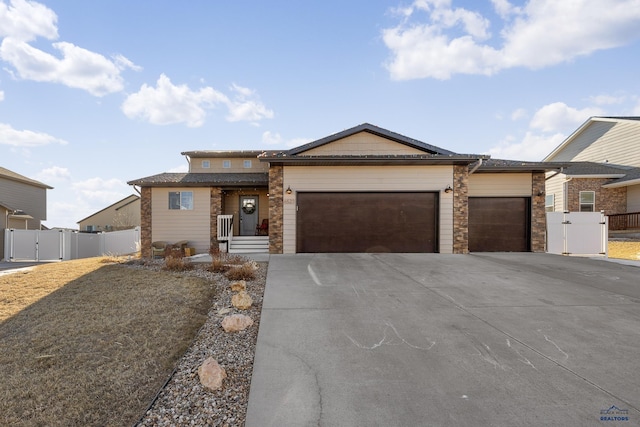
[226,164]
[206,164]
[549,202]
[247,164]
[587,201]
[181,200]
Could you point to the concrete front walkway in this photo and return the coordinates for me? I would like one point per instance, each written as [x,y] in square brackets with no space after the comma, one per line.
[447,340]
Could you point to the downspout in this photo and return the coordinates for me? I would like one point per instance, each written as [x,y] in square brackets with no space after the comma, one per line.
[137,191]
[475,168]
[188,162]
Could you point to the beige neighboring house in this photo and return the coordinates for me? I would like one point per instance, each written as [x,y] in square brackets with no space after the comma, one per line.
[23,203]
[122,215]
[603,173]
[365,189]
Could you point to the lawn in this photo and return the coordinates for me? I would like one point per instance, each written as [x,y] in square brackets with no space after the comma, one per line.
[624,250]
[86,342]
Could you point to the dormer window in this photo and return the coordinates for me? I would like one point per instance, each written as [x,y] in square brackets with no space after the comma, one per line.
[206,164]
[247,164]
[226,164]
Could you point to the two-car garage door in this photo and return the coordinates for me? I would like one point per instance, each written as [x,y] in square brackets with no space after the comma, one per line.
[367,222]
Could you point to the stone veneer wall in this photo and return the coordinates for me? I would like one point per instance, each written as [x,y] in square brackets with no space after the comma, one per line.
[145,222]
[216,208]
[460,209]
[609,200]
[276,190]
[538,213]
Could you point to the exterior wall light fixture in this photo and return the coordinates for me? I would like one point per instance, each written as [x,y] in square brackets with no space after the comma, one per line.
[289,190]
[448,189]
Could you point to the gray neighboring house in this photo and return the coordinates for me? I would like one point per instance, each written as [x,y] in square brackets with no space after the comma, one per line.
[23,203]
[603,173]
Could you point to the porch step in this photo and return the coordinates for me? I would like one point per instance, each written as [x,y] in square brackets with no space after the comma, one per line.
[249,244]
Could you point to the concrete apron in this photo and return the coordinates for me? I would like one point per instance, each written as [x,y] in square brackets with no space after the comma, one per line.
[460,340]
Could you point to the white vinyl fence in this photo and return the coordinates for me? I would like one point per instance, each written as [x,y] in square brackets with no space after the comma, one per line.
[577,233]
[60,245]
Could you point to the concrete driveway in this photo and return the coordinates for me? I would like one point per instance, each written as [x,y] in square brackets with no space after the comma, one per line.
[447,340]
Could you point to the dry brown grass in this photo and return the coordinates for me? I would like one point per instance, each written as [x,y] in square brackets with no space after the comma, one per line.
[88,343]
[624,250]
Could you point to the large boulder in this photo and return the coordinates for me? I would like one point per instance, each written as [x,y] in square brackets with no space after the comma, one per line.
[211,374]
[241,300]
[236,323]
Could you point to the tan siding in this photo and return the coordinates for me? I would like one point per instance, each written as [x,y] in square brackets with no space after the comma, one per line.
[31,199]
[362,143]
[369,178]
[633,198]
[555,186]
[175,225]
[500,184]
[237,165]
[121,215]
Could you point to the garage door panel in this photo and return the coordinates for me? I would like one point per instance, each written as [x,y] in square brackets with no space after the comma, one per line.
[366,222]
[499,224]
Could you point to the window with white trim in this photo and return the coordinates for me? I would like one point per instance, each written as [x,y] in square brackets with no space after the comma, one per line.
[549,202]
[206,164]
[247,164]
[181,200]
[226,164]
[587,201]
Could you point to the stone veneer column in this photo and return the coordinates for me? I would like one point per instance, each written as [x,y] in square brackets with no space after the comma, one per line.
[216,201]
[460,209]
[276,181]
[538,213]
[145,222]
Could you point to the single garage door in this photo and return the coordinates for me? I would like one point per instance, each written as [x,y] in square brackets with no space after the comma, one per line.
[499,224]
[367,222]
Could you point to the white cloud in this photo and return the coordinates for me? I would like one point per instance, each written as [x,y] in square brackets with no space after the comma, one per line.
[539,34]
[53,174]
[1,95]
[76,67]
[558,116]
[102,191]
[607,99]
[271,138]
[26,20]
[533,147]
[179,169]
[26,138]
[518,114]
[170,104]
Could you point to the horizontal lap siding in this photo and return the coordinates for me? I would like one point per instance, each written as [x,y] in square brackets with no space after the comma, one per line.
[618,145]
[369,178]
[500,184]
[555,186]
[175,225]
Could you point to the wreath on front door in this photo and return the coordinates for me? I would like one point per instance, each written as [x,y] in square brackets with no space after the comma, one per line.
[249,208]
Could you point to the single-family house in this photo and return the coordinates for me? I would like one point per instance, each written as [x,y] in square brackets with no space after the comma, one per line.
[365,189]
[603,173]
[121,215]
[23,203]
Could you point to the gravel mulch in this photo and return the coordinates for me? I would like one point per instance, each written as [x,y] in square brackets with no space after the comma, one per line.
[184,401]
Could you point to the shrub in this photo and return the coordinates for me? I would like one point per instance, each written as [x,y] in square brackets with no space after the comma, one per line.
[245,271]
[173,263]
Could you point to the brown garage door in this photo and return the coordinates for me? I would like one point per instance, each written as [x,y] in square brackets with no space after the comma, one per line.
[499,224]
[367,222]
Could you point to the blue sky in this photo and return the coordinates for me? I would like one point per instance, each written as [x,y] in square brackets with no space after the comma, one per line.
[96,93]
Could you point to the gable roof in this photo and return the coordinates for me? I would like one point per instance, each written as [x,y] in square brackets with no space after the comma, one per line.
[583,128]
[6,173]
[375,130]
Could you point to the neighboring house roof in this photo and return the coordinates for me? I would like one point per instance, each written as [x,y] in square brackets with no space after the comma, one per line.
[6,173]
[120,204]
[15,213]
[500,165]
[375,130]
[595,170]
[583,128]
[200,179]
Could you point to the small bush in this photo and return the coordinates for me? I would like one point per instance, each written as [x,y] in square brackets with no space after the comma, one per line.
[173,263]
[218,266]
[245,271]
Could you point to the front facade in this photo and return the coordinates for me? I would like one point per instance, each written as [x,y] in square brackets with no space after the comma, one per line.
[602,171]
[23,203]
[365,189]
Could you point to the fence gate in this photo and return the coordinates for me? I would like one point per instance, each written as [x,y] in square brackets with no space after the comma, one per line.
[577,233]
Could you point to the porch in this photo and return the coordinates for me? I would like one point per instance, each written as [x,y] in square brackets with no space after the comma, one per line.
[624,221]
[235,244]
[243,226]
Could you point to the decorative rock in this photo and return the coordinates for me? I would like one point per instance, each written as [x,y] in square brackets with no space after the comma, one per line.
[224,311]
[211,374]
[241,300]
[236,323]
[239,286]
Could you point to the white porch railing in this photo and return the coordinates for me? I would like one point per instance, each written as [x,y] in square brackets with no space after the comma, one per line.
[225,229]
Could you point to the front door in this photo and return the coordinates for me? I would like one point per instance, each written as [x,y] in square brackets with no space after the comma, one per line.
[248,215]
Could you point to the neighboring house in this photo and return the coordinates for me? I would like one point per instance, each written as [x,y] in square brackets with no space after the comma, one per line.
[121,215]
[604,173]
[23,203]
[365,189]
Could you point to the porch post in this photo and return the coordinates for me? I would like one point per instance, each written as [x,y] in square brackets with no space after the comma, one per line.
[460,209]
[145,222]
[276,179]
[216,200]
